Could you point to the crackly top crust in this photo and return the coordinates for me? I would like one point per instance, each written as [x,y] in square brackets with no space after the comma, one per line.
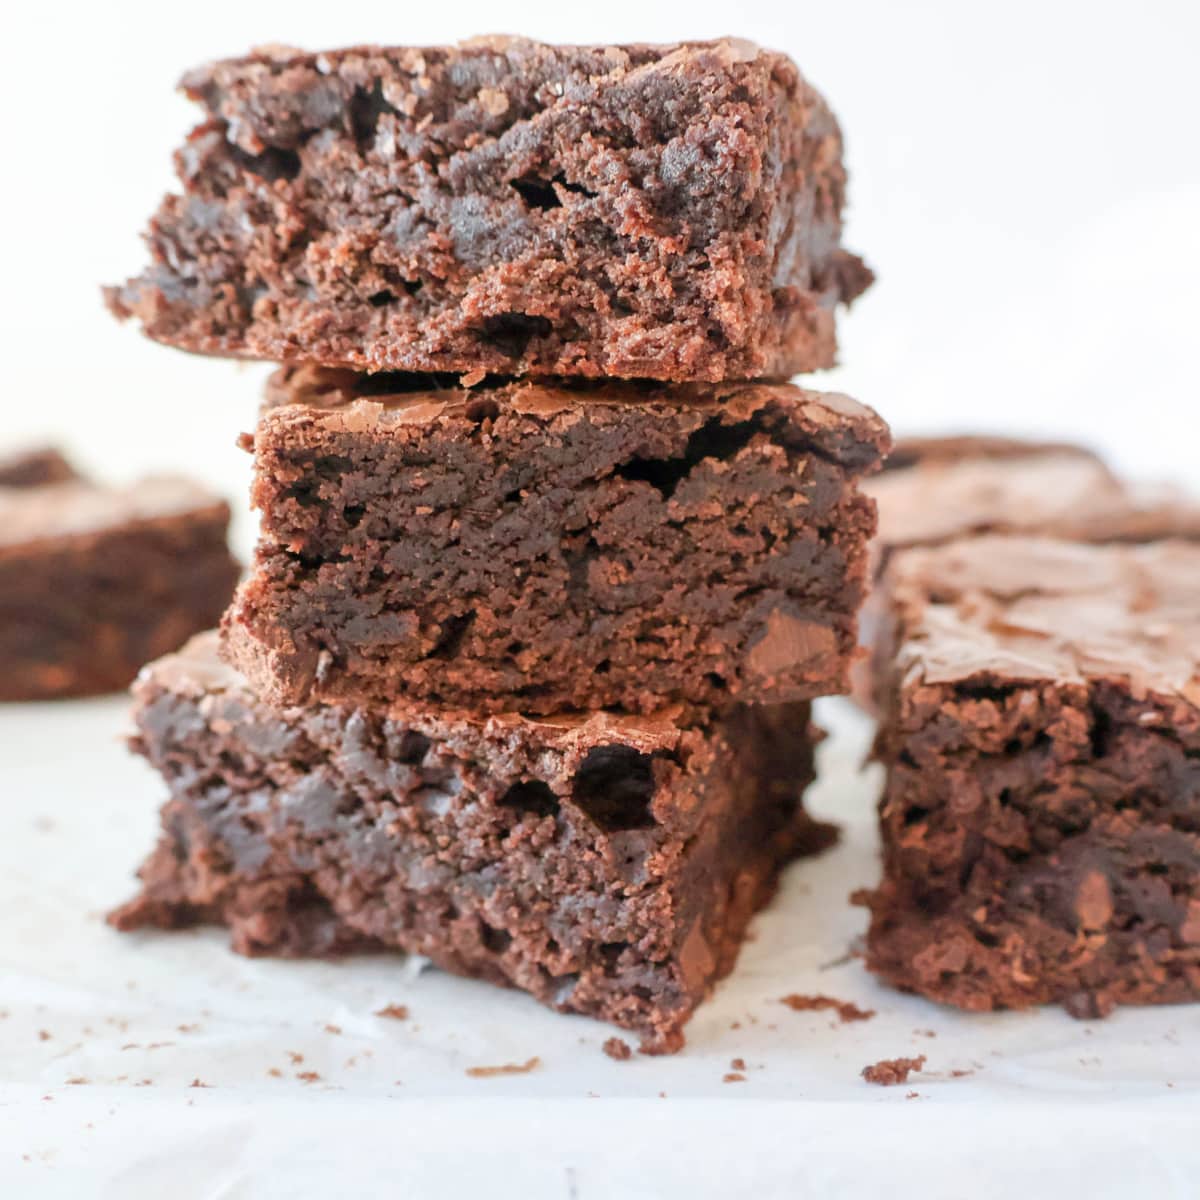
[1052,491]
[196,671]
[839,426]
[78,508]
[1008,609]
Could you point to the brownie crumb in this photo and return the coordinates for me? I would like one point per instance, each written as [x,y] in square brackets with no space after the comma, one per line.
[275,1072]
[738,1064]
[615,1048]
[308,1076]
[890,1071]
[296,1057]
[77,1079]
[524,1068]
[845,1010]
[333,1029]
[199,1083]
[912,1095]
[44,1035]
[733,1077]
[397,1012]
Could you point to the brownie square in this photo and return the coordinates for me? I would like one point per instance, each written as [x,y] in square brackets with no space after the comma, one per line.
[1040,731]
[95,581]
[531,546]
[668,212]
[608,865]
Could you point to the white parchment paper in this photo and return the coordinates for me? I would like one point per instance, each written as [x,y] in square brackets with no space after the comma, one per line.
[162,1065]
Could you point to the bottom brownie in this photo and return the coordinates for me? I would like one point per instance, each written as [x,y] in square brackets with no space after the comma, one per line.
[1041,814]
[606,864]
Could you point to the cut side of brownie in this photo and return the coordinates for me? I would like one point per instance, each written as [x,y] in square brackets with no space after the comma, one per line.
[1040,731]
[95,581]
[540,548]
[607,865]
[668,212]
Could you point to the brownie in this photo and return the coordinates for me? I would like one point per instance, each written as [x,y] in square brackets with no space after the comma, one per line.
[95,581]
[668,212]
[936,490]
[531,546]
[606,864]
[29,468]
[1040,732]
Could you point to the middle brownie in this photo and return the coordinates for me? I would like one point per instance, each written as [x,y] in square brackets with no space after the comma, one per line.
[525,545]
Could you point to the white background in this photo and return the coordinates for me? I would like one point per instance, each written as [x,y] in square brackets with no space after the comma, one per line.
[1026,182]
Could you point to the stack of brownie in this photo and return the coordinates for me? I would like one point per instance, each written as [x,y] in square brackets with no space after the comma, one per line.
[551,562]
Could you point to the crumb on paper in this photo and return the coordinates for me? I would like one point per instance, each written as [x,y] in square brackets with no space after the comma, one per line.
[737,1064]
[924,1033]
[616,1048]
[396,1012]
[275,1072]
[960,1073]
[188,1027]
[308,1076]
[846,1011]
[199,1083]
[76,1080]
[890,1071]
[44,1035]
[524,1068]
[912,1095]
[296,1057]
[733,1077]
[331,1028]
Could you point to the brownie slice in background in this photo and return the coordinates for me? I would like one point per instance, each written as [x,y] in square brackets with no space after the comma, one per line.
[95,581]
[670,212]
[535,547]
[31,467]
[607,865]
[1040,729]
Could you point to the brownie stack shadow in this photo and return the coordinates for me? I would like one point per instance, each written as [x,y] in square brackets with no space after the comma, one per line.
[551,563]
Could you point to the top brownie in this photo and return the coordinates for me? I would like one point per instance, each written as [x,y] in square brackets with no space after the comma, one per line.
[667,212]
[34,467]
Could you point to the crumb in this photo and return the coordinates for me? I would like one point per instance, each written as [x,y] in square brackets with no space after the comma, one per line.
[960,1073]
[524,1068]
[187,1028]
[198,1083]
[890,1071]
[296,1058]
[275,1072]
[615,1048]
[912,1095]
[471,378]
[144,1083]
[736,1025]
[844,1009]
[132,1046]
[308,1076]
[44,1035]
[333,1029]
[738,1064]
[77,1079]
[397,1012]
[733,1077]
[924,1033]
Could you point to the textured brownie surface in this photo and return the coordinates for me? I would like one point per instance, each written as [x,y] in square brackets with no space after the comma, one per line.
[669,212]
[29,468]
[1041,815]
[608,865]
[535,547]
[95,581]
[935,490]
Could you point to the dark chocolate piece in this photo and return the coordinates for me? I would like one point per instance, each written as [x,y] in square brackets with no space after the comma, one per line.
[608,865]
[669,212]
[535,547]
[1041,816]
[95,581]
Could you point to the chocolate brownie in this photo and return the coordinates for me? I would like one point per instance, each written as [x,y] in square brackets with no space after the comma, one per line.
[956,487]
[95,581]
[525,545]
[606,864]
[1041,814]
[669,212]
[28,468]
